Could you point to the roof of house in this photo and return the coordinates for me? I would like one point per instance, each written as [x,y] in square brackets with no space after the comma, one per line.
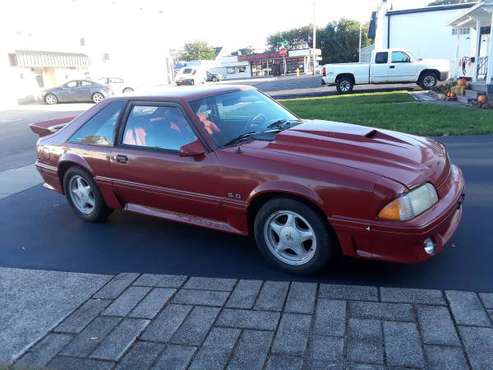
[434,8]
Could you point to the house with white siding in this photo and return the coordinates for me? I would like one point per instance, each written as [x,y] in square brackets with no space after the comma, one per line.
[427,33]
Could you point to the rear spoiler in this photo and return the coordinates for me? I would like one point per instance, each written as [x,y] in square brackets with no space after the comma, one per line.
[45,128]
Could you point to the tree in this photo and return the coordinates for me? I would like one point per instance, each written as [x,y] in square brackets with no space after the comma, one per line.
[339,41]
[198,50]
[296,38]
[244,51]
[447,2]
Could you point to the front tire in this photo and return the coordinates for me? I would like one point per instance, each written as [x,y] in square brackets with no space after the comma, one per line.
[84,196]
[345,85]
[293,236]
[428,80]
[97,98]
[128,90]
[51,99]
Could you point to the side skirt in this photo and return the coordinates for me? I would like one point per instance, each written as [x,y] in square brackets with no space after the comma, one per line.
[181,217]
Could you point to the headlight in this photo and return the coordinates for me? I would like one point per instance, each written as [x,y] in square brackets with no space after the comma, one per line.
[410,204]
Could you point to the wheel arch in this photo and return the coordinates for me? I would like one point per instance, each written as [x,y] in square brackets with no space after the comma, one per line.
[51,93]
[105,187]
[71,160]
[343,75]
[436,72]
[283,190]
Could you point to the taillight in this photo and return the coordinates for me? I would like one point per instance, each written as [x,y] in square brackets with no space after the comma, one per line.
[324,72]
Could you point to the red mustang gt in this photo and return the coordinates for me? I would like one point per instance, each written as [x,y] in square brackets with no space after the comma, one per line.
[232,159]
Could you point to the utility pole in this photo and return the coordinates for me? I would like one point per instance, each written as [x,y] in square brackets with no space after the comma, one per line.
[314,56]
[360,40]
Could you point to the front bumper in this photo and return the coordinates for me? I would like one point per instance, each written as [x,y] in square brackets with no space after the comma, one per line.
[404,241]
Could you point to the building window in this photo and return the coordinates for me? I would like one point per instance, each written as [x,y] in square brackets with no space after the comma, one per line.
[461,31]
[106,57]
[82,41]
[12,60]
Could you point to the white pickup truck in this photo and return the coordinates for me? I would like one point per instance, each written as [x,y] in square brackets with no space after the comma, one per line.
[386,66]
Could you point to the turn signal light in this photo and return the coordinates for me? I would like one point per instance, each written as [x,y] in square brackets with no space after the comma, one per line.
[391,211]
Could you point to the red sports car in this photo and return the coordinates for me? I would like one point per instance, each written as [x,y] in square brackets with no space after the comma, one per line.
[230,158]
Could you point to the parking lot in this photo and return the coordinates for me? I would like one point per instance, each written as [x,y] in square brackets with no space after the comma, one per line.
[39,231]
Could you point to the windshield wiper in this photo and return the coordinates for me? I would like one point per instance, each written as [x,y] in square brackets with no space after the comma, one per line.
[273,127]
[242,137]
[282,124]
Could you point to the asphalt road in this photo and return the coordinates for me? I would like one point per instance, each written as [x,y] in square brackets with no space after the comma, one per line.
[38,230]
[16,139]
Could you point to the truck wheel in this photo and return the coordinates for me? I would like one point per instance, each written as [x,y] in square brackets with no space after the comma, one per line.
[428,80]
[345,85]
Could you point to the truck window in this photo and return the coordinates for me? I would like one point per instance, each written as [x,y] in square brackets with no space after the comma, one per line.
[382,57]
[400,57]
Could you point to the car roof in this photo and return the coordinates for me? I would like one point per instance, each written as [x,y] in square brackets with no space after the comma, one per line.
[185,92]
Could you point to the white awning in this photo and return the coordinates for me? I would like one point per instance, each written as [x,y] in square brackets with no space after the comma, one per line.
[481,11]
[31,58]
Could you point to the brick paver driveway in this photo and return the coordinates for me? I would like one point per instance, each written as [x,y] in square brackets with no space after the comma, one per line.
[176,322]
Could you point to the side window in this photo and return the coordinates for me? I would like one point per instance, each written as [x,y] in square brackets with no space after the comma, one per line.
[381,58]
[86,83]
[70,84]
[100,129]
[400,57]
[160,127]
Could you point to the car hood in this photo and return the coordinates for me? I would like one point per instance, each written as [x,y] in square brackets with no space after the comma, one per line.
[407,159]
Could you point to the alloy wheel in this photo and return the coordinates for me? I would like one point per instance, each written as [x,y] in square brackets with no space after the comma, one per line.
[97,98]
[51,99]
[290,238]
[345,86]
[82,195]
[429,81]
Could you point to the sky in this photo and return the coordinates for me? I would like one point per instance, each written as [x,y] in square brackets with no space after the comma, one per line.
[248,22]
[230,23]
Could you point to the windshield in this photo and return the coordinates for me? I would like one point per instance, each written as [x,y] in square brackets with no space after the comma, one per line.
[229,116]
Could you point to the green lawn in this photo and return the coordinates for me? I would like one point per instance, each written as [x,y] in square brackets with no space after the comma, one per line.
[395,111]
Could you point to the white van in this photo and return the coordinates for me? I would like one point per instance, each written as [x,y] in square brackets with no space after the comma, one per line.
[191,76]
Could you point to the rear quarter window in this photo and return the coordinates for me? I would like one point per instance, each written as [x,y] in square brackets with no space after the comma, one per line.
[100,129]
[381,58]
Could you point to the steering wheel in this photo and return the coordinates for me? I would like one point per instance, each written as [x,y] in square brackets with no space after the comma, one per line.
[255,122]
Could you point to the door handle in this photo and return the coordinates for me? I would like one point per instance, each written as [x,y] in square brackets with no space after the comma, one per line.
[120,158]
[392,67]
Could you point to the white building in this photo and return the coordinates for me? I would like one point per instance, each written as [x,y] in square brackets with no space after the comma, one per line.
[426,33]
[42,46]
[480,19]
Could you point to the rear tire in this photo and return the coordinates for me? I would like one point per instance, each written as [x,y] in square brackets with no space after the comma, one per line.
[428,80]
[51,99]
[87,202]
[293,236]
[345,85]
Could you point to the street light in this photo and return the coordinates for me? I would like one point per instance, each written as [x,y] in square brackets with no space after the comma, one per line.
[314,49]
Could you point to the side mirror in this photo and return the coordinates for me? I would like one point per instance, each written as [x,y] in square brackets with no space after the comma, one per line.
[194,149]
